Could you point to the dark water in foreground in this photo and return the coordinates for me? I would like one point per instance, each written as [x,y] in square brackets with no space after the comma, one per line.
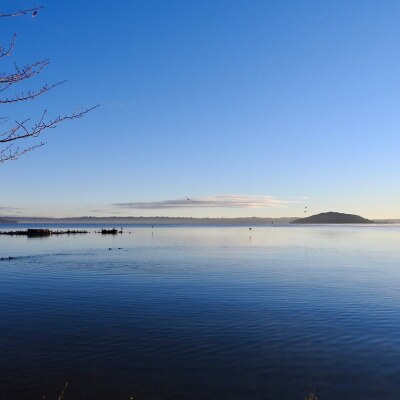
[203,313]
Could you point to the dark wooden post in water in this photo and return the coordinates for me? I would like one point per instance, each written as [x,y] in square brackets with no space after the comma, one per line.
[112,231]
[38,232]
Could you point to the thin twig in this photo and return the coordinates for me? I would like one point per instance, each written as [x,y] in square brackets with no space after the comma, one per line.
[7,52]
[61,396]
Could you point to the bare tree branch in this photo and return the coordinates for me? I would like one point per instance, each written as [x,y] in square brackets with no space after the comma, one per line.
[33,11]
[30,95]
[7,52]
[22,130]
[11,154]
[22,12]
[20,74]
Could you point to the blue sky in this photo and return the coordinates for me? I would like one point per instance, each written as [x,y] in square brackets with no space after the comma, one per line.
[253,100]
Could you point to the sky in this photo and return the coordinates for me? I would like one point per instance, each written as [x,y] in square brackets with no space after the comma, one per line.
[209,108]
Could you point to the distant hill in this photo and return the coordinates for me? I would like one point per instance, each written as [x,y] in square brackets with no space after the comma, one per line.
[333,218]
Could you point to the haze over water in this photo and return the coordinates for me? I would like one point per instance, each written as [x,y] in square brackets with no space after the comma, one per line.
[203,313]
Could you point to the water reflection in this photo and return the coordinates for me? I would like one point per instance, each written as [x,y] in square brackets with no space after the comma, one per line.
[202,313]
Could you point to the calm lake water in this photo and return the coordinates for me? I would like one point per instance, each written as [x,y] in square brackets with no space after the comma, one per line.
[202,313]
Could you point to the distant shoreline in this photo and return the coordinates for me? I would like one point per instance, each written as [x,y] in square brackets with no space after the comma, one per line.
[160,221]
[148,220]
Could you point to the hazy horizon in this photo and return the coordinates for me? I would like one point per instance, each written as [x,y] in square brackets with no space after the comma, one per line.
[161,218]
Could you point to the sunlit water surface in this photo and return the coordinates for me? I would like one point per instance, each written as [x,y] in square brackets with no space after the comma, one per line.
[202,313]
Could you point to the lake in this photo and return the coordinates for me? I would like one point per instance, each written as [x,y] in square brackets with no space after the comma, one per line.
[202,313]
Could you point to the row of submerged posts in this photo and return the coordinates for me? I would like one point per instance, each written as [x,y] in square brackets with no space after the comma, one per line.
[42,232]
[32,233]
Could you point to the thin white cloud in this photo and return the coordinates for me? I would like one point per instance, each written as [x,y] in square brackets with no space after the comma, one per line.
[221,201]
